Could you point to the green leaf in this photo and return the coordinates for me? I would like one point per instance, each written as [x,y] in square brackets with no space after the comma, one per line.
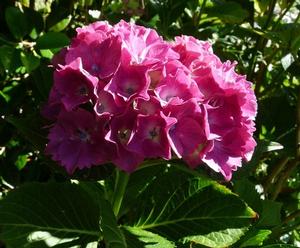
[113,236]
[43,80]
[137,237]
[138,182]
[53,213]
[6,55]
[261,5]
[10,58]
[228,12]
[47,53]
[246,190]
[217,239]
[192,209]
[270,214]
[61,25]
[30,61]
[262,147]
[52,40]
[27,129]
[85,3]
[17,22]
[279,246]
[255,237]
[21,161]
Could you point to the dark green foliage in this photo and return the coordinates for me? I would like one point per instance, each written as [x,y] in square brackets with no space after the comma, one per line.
[163,205]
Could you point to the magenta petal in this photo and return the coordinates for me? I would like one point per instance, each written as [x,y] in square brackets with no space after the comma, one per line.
[128,160]
[150,107]
[74,85]
[151,136]
[110,49]
[189,137]
[178,86]
[77,140]
[107,104]
[122,129]
[220,161]
[130,82]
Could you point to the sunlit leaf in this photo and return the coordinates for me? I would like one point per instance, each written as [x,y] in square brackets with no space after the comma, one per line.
[137,237]
[52,40]
[255,237]
[52,213]
[183,210]
[30,61]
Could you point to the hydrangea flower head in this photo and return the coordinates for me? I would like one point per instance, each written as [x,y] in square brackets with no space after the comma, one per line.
[122,95]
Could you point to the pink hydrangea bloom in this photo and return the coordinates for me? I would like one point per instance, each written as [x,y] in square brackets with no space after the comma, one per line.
[191,122]
[150,138]
[123,94]
[121,132]
[77,141]
[74,84]
[231,105]
[130,81]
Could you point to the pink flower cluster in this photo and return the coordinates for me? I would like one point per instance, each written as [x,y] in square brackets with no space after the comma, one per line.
[122,94]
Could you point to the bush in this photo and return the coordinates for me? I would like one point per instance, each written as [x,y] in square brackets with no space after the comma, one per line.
[161,204]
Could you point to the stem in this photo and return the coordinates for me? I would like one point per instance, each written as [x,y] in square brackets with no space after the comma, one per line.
[120,187]
[153,162]
[283,14]
[298,126]
[274,173]
[281,230]
[297,18]
[198,19]
[270,15]
[284,177]
[291,217]
[260,42]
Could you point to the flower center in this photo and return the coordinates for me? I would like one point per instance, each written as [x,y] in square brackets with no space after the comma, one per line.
[83,135]
[129,91]
[95,68]
[154,133]
[83,90]
[100,107]
[215,102]
[124,135]
[130,87]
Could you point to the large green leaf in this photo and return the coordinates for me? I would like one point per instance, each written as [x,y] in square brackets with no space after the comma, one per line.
[52,40]
[279,246]
[30,61]
[228,12]
[138,182]
[271,215]
[112,234]
[10,58]
[255,237]
[56,214]
[246,190]
[192,209]
[17,22]
[28,128]
[140,238]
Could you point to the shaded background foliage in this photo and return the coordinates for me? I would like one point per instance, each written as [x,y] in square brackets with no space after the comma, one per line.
[263,36]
